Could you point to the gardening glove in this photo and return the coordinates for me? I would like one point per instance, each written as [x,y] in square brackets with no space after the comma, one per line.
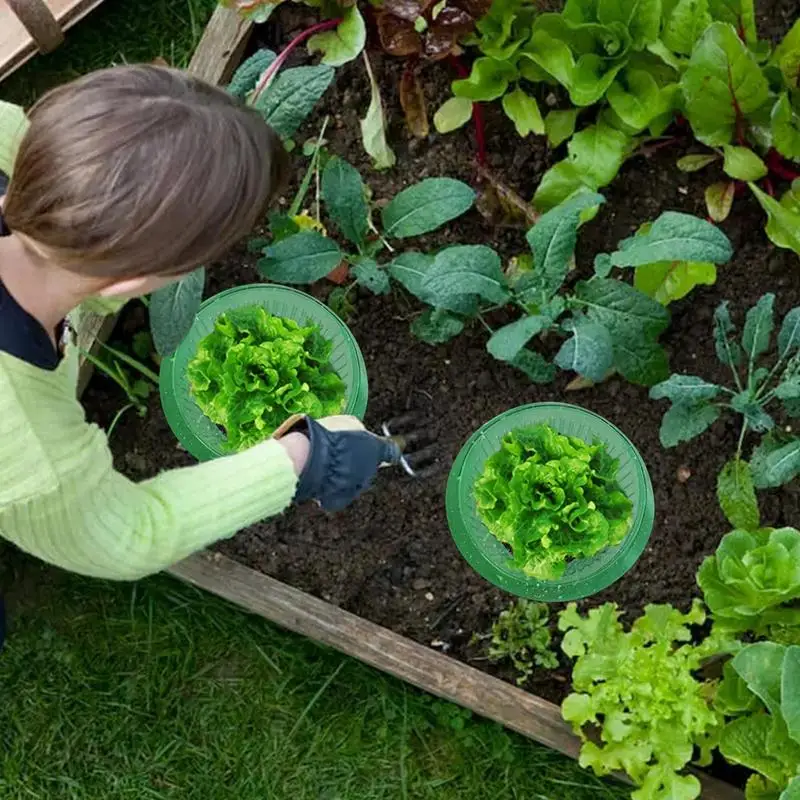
[343,459]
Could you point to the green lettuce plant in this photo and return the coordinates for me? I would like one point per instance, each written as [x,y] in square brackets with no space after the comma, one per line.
[761,691]
[254,370]
[752,582]
[552,498]
[698,403]
[521,634]
[637,702]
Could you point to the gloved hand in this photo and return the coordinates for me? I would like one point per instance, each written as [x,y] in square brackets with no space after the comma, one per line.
[342,461]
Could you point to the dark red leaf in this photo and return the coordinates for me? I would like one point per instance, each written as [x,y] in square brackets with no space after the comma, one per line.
[443,34]
[405,9]
[412,99]
[398,37]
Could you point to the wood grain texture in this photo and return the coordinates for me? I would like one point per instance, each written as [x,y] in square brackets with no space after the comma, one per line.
[39,22]
[217,55]
[379,647]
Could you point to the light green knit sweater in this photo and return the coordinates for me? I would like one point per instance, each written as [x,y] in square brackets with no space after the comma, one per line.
[60,498]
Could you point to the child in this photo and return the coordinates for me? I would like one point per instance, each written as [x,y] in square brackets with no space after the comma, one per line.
[125,180]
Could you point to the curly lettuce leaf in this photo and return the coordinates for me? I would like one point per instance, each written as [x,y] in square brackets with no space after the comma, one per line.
[637,688]
[254,370]
[552,498]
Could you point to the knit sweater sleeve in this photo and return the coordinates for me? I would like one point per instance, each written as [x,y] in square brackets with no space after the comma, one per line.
[62,501]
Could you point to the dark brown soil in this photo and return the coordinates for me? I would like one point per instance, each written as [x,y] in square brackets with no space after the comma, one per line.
[390,557]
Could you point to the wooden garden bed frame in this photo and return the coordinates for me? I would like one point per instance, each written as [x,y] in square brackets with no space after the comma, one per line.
[218,53]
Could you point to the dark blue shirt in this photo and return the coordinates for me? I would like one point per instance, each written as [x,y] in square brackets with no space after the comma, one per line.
[22,335]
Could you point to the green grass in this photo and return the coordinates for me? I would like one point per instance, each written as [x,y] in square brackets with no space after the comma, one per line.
[116,32]
[156,690]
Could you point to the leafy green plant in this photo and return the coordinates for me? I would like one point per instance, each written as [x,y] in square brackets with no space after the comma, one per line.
[761,690]
[752,583]
[636,702]
[254,370]
[521,635]
[609,324]
[698,403]
[552,498]
[307,256]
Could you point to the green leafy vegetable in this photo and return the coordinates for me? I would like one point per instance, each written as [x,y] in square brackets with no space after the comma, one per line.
[254,370]
[246,77]
[303,258]
[452,114]
[760,689]
[373,126]
[344,43]
[783,223]
[344,195]
[172,311]
[425,206]
[752,582]
[552,498]
[521,635]
[696,404]
[639,689]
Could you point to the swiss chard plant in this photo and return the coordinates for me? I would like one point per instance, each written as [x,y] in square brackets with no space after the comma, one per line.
[760,690]
[698,403]
[752,583]
[637,702]
[285,100]
[305,256]
[551,499]
[254,370]
[521,635]
[608,324]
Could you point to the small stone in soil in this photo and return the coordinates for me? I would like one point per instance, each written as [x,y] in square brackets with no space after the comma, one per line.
[683,474]
[429,595]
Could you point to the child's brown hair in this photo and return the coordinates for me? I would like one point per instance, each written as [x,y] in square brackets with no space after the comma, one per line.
[141,170]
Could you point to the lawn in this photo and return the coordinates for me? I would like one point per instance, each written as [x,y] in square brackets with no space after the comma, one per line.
[154,690]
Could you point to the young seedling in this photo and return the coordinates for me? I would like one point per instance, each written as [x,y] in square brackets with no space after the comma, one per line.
[521,634]
[698,403]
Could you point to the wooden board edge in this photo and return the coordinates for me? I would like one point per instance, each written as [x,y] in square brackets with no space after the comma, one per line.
[216,56]
[427,669]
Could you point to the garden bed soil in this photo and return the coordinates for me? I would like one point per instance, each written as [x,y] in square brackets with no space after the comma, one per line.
[390,558]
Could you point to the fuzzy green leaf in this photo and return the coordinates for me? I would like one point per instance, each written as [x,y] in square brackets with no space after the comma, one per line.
[620,307]
[371,276]
[736,495]
[523,111]
[560,125]
[675,237]
[752,411]
[758,327]
[775,461]
[303,258]
[789,335]
[640,359]
[552,240]
[465,270]
[344,43]
[425,206]
[783,225]
[686,389]
[589,351]
[728,350]
[682,423]
[534,365]
[172,311]
[246,77]
[742,164]
[343,193]
[452,114]
[506,342]
[409,268]
[436,326]
[292,97]
[722,81]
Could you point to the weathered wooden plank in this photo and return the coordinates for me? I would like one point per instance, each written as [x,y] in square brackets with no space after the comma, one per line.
[217,55]
[379,647]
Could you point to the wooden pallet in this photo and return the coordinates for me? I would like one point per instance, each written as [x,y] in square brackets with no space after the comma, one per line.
[298,611]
